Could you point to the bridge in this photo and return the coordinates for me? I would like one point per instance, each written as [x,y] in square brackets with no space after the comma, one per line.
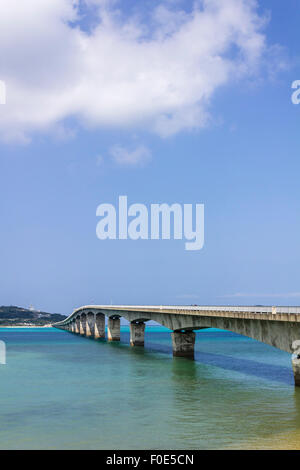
[276,326]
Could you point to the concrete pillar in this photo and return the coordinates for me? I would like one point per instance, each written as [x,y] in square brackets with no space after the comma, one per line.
[90,324]
[113,329]
[183,343]
[82,324]
[137,333]
[72,326]
[99,331]
[77,325]
[296,361]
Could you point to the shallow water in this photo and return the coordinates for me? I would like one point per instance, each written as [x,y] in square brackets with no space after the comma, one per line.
[61,391]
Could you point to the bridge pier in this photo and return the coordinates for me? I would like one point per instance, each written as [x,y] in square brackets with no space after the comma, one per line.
[90,324]
[113,329]
[137,333]
[183,343]
[82,324]
[77,325]
[99,330]
[296,361]
[72,326]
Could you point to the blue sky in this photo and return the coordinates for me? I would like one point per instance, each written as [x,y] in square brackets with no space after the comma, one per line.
[242,162]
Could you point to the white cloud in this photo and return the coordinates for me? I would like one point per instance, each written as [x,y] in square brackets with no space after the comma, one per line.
[138,156]
[158,74]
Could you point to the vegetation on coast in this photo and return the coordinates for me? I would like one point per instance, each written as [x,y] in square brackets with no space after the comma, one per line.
[18,316]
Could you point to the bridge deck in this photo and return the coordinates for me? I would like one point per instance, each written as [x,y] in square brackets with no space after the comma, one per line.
[287,314]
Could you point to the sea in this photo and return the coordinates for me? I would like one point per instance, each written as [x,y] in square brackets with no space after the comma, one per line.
[62,391]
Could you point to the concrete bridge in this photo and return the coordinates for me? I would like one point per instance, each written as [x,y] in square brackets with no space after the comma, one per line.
[276,326]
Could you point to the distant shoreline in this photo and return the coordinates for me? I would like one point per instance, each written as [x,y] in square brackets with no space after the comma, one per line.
[26,326]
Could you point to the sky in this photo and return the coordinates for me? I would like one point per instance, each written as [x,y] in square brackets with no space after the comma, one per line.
[165,102]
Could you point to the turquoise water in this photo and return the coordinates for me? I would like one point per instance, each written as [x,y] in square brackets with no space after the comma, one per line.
[61,391]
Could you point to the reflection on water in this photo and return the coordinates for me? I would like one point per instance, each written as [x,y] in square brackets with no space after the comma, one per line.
[62,391]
